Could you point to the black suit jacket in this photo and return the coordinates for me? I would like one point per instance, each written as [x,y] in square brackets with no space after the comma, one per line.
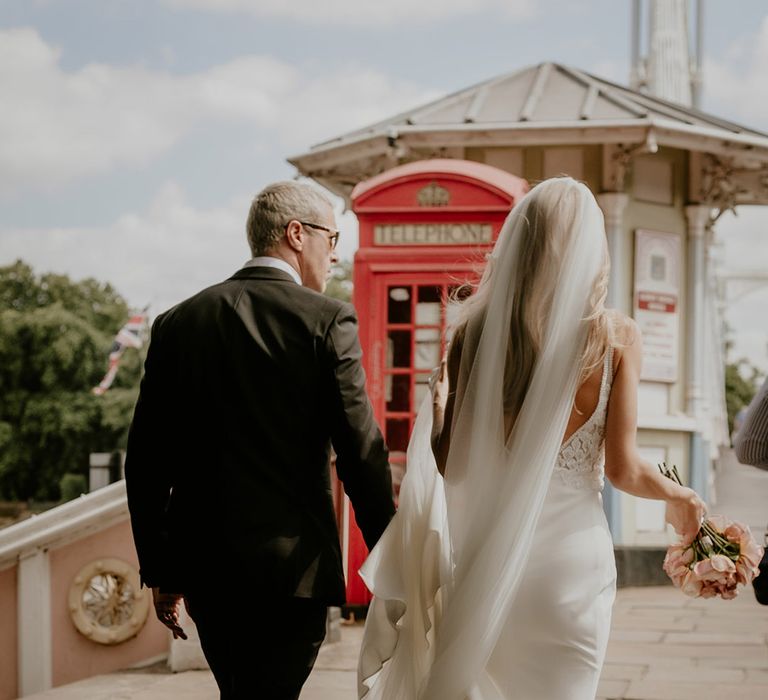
[246,386]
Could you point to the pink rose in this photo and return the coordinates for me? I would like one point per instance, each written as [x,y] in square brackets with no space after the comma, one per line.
[743,571]
[717,568]
[704,570]
[691,585]
[678,559]
[735,531]
[750,550]
[722,564]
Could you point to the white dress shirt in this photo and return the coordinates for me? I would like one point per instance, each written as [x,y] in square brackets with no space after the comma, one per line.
[269,261]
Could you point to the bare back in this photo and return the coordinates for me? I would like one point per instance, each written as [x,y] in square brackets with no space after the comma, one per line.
[586,399]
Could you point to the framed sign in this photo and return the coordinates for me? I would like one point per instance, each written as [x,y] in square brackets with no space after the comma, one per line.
[657,300]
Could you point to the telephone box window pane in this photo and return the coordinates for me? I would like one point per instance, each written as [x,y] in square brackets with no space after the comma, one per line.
[430,294]
[398,349]
[399,392]
[397,434]
[428,306]
[399,305]
[420,389]
[427,348]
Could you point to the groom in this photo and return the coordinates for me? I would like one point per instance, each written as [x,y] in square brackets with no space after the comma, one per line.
[247,385]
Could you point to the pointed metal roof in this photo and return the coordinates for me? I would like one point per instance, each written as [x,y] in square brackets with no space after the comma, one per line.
[544,104]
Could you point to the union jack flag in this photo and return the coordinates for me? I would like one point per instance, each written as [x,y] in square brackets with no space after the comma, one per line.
[131,335]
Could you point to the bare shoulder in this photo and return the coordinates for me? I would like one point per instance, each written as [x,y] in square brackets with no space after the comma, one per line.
[625,338]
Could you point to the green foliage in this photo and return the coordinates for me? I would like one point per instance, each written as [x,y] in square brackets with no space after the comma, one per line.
[739,389]
[340,284]
[72,485]
[55,336]
[96,303]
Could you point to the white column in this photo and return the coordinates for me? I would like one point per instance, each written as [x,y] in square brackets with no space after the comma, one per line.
[613,205]
[695,397]
[698,217]
[34,623]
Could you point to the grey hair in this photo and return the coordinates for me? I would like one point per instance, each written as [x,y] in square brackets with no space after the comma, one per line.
[275,206]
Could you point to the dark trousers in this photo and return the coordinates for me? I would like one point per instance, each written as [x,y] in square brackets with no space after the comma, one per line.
[258,647]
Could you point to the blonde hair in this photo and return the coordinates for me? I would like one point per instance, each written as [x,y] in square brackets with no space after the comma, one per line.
[548,218]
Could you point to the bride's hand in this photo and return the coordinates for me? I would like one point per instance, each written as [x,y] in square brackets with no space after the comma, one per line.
[686,514]
[438,386]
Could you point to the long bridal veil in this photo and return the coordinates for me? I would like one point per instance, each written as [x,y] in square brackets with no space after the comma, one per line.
[446,571]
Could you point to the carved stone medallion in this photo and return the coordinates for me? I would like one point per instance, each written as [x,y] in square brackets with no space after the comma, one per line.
[107,603]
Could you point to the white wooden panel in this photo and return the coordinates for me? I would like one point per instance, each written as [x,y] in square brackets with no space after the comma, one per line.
[649,515]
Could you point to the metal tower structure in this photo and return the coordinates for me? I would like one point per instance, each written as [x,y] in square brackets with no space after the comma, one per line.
[668,69]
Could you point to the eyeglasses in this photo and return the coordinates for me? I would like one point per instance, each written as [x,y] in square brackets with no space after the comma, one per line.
[333,239]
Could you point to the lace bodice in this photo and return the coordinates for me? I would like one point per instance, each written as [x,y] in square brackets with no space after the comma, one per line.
[581,460]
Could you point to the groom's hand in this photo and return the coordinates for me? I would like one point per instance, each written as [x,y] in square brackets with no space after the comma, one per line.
[167,611]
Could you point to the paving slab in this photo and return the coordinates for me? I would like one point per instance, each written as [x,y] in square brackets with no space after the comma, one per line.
[651,690]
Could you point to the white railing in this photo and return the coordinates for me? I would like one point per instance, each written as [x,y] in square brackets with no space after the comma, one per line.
[26,545]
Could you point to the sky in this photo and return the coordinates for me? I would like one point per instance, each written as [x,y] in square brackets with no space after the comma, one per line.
[134,133]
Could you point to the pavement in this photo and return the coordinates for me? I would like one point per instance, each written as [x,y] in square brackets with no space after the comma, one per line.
[663,646]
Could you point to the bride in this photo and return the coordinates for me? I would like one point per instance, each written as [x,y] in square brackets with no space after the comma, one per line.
[496,580]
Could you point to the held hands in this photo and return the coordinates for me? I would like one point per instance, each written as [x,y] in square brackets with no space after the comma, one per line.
[167,611]
[438,385]
[685,513]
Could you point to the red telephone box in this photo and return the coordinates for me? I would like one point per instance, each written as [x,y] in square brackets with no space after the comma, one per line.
[425,228]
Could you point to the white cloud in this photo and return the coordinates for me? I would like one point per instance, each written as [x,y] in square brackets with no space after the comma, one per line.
[158,256]
[378,13]
[58,125]
[735,84]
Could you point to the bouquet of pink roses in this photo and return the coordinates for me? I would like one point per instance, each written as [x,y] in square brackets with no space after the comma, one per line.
[722,555]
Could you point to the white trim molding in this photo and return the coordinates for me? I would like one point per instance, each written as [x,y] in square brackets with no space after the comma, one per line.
[33,612]
[65,523]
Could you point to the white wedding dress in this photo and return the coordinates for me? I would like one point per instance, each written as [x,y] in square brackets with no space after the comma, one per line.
[553,643]
[496,582]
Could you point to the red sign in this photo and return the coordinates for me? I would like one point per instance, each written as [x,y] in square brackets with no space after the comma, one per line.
[654,301]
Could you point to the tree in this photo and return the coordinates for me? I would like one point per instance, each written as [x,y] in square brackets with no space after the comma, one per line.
[340,284]
[55,336]
[739,389]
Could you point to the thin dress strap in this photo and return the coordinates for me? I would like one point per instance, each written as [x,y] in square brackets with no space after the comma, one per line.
[607,381]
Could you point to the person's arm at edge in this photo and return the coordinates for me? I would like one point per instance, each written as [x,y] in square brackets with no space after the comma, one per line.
[147,472]
[148,484]
[362,460]
[751,446]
